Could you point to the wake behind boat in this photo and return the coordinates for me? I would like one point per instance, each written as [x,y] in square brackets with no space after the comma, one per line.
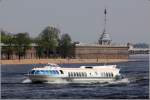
[53,73]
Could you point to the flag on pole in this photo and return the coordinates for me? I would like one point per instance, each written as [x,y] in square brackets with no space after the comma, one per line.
[105,12]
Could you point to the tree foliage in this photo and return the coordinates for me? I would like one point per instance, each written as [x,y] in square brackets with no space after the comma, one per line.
[48,44]
[22,43]
[48,41]
[65,45]
[7,40]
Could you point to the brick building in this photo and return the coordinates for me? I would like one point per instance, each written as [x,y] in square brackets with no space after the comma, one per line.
[101,51]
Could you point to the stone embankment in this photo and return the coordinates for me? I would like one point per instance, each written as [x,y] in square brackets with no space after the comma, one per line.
[61,61]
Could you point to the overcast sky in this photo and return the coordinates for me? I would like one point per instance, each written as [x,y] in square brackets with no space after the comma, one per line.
[128,20]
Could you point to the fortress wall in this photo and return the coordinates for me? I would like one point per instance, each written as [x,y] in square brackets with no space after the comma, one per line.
[104,52]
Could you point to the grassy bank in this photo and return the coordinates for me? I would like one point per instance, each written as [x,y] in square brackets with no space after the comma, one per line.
[61,61]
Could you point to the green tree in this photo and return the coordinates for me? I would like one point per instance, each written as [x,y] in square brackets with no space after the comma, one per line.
[48,41]
[22,43]
[7,40]
[65,46]
[39,48]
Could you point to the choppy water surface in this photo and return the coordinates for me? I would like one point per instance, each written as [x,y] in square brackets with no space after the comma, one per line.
[15,86]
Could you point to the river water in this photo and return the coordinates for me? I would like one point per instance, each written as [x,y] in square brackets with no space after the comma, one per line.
[14,84]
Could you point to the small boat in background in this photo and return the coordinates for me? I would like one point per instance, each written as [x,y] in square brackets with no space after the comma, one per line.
[53,73]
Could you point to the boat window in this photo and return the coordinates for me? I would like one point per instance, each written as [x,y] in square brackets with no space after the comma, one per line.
[50,72]
[102,74]
[109,75]
[69,74]
[57,72]
[85,74]
[96,73]
[89,67]
[32,72]
[41,72]
[106,74]
[74,74]
[90,73]
[77,74]
[82,74]
[112,75]
[61,72]
[46,71]
[36,72]
[53,72]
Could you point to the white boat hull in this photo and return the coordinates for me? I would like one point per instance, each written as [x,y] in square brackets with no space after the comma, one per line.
[53,73]
[47,79]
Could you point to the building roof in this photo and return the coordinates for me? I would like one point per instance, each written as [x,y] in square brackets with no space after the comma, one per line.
[98,45]
[105,37]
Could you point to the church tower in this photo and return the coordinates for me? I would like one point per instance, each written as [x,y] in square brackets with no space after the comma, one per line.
[104,38]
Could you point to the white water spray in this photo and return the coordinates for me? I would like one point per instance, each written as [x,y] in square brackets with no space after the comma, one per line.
[26,80]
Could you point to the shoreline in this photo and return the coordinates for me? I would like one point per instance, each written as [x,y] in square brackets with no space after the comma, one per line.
[61,61]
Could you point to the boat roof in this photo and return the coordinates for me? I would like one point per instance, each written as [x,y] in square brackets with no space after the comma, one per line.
[51,66]
[97,67]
